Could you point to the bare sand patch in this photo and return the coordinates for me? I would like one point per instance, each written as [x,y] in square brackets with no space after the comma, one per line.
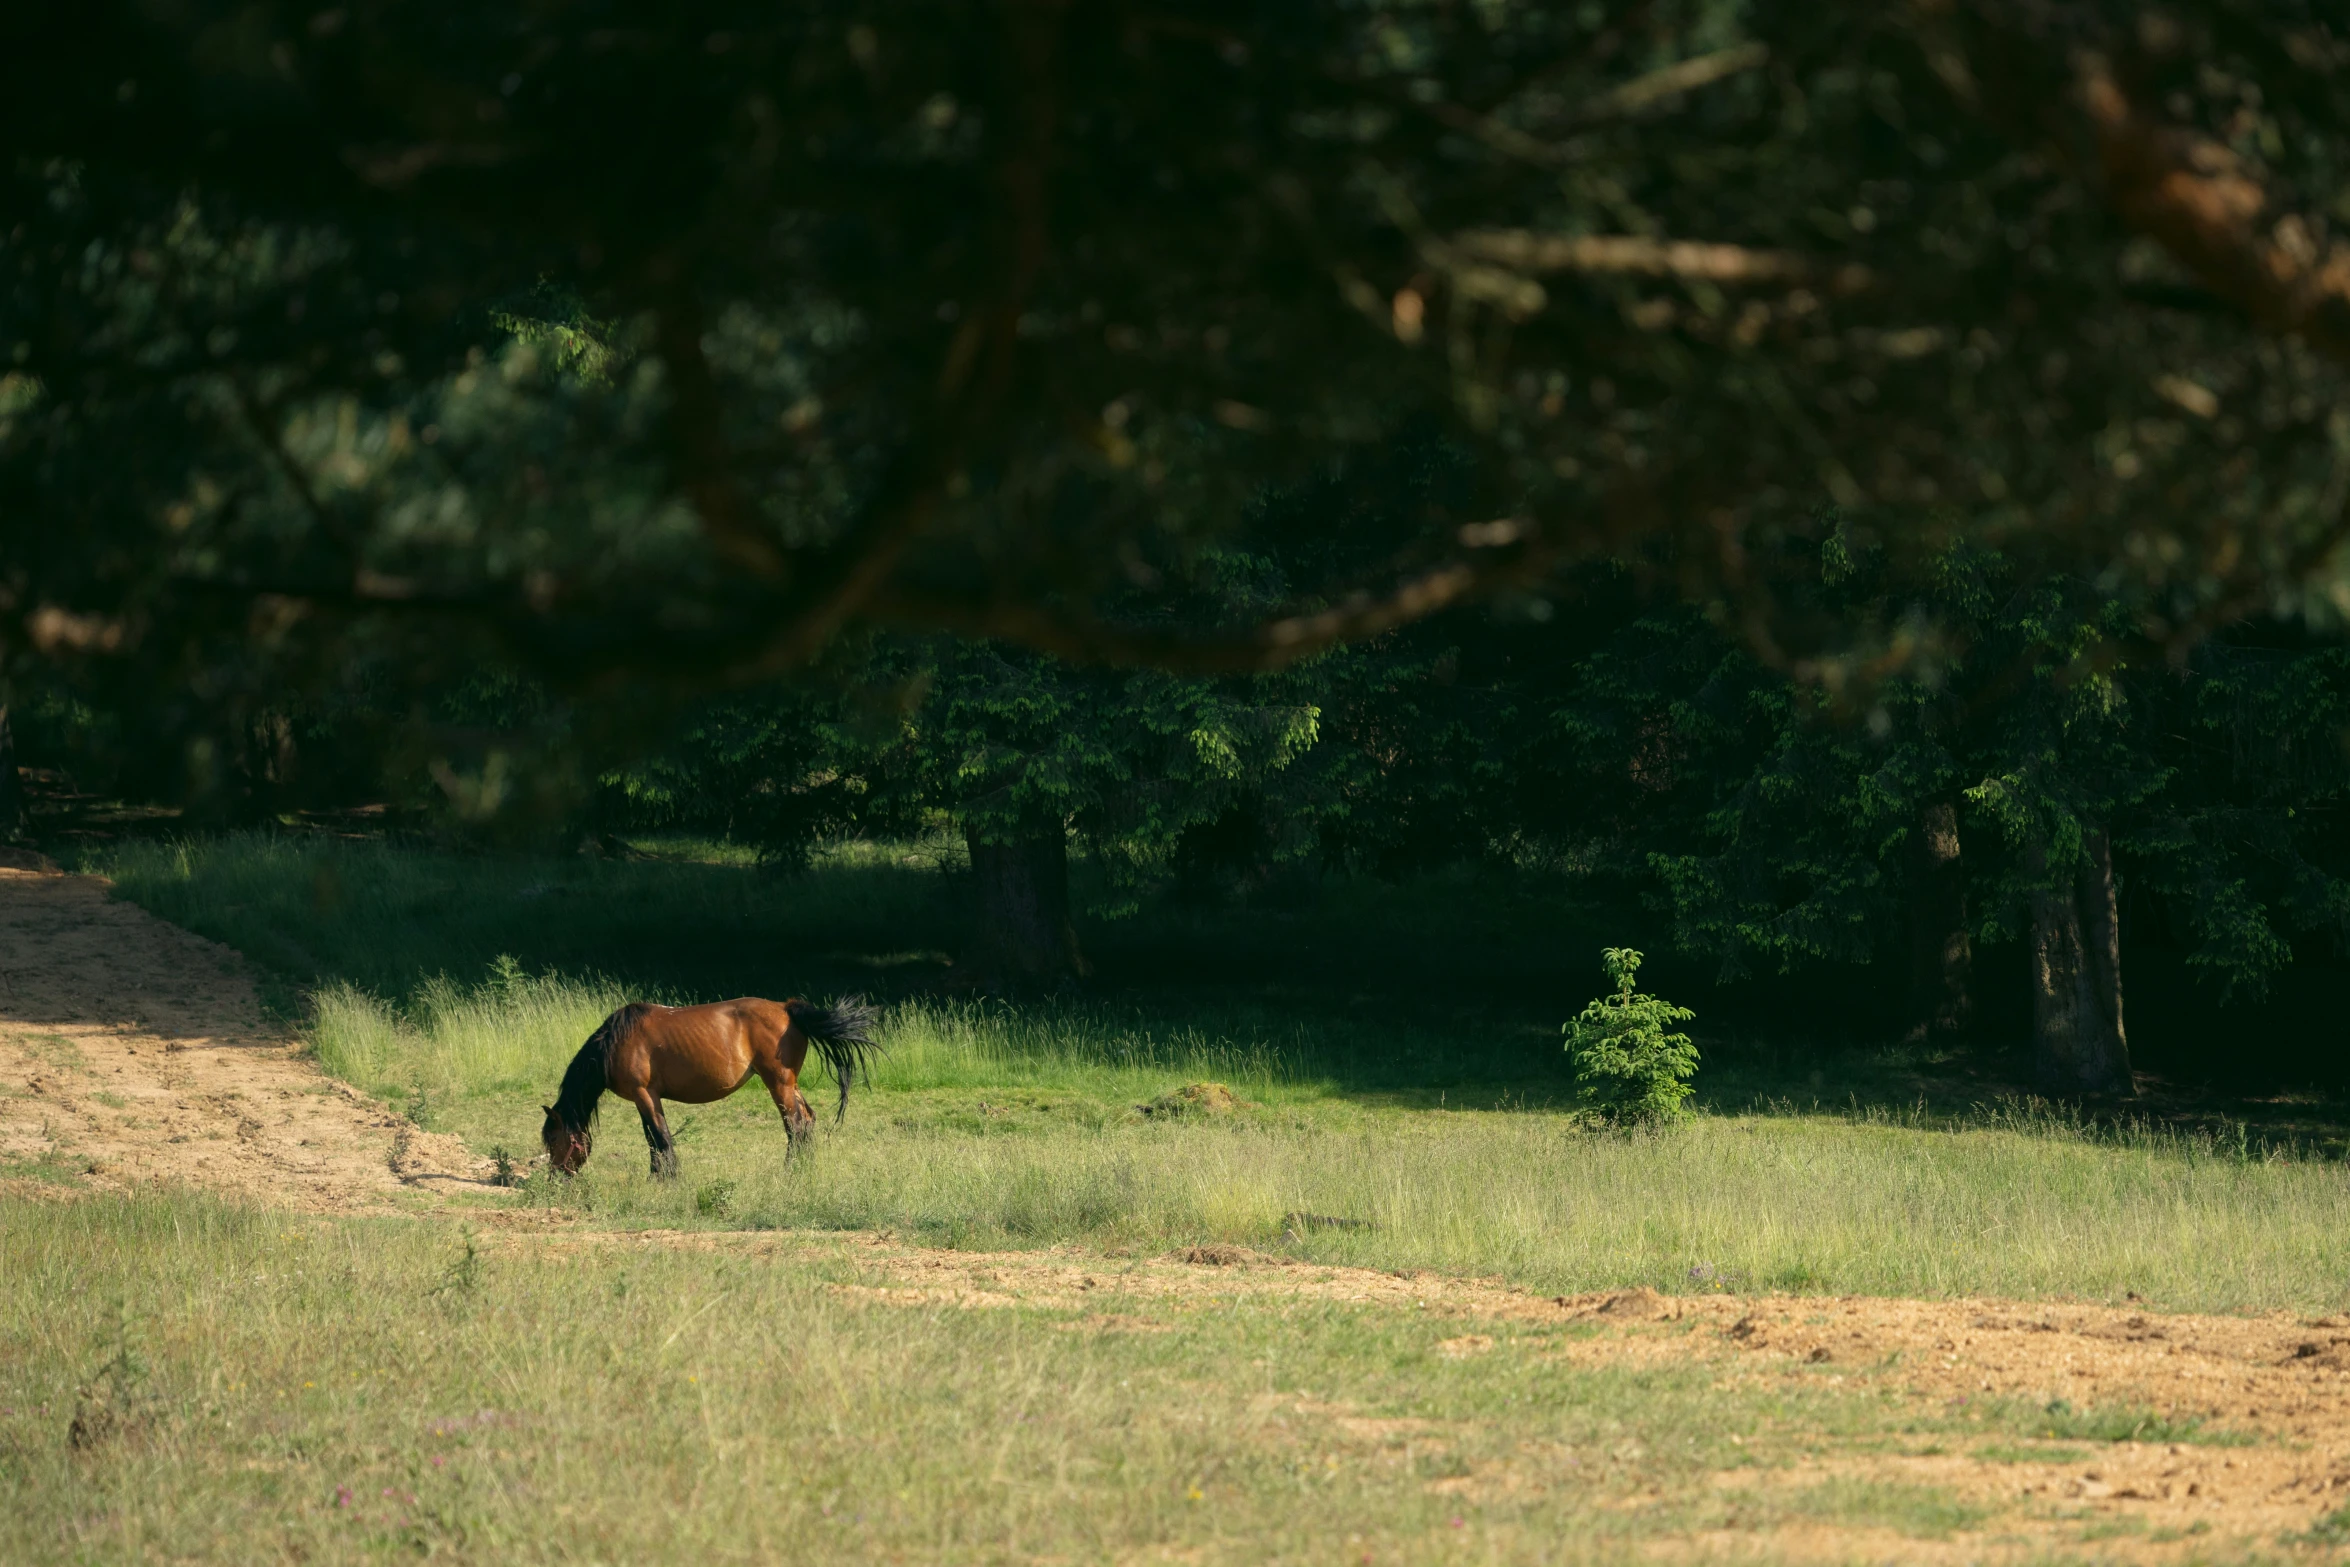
[133,1052]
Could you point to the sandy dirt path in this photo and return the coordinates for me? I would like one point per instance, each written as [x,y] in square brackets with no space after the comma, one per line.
[133,1052]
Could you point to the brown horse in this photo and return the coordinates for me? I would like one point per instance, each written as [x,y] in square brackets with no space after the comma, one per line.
[647,1053]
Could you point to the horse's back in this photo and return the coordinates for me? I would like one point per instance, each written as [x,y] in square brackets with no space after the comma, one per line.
[697,1053]
[730,1004]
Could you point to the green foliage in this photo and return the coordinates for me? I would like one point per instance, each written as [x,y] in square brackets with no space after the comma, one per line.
[651,404]
[783,768]
[1780,815]
[1628,1065]
[1011,743]
[556,322]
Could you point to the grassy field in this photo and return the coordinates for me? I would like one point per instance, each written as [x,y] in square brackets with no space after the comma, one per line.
[189,1381]
[520,1380]
[1444,1140]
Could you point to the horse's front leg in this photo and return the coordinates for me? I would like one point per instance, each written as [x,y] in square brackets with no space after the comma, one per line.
[664,1147]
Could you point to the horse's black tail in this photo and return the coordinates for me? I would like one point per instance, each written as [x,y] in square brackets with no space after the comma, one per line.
[843,1035]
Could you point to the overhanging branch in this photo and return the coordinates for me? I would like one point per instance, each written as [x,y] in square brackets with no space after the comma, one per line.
[1270,645]
[2210,210]
[1635,255]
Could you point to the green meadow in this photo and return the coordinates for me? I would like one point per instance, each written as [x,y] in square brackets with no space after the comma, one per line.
[192,1380]
[183,1380]
[1439,1130]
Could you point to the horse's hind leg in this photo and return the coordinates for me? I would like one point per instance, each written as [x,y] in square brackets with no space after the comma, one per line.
[799,1121]
[648,1109]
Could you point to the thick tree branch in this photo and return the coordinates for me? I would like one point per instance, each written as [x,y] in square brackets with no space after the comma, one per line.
[1270,645]
[697,433]
[1638,96]
[830,587]
[1660,87]
[1635,255]
[2210,210]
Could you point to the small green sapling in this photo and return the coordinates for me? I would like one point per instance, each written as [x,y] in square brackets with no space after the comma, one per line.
[1628,1066]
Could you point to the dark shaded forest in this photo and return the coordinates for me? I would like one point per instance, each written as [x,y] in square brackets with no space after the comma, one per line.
[1853,498]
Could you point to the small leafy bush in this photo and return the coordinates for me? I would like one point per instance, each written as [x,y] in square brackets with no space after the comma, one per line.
[1628,1065]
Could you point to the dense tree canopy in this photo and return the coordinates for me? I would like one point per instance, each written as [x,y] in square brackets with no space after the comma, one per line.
[661,342]
[1840,468]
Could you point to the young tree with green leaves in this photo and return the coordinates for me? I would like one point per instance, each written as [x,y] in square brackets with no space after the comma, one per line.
[1630,1066]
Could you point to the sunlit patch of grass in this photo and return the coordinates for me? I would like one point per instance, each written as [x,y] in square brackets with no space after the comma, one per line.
[459,987]
[513,1032]
[993,1125]
[255,1388]
[2013,1453]
[1921,1512]
[2061,1422]
[2332,1530]
[57,1050]
[48,1169]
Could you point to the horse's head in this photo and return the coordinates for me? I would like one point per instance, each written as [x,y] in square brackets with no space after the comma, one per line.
[568,1146]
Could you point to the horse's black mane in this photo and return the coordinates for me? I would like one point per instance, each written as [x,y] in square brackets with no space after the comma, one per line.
[583,1081]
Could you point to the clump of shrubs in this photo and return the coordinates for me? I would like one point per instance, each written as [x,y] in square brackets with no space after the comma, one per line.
[1630,1066]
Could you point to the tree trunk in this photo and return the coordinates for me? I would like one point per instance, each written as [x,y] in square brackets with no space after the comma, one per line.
[1942,953]
[1024,936]
[2101,934]
[12,812]
[2078,1043]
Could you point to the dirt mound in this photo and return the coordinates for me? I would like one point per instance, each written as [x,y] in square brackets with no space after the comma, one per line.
[134,1052]
[1194,1099]
[1228,1257]
[1637,1305]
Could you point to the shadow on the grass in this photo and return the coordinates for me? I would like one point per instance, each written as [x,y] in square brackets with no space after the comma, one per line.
[1443,989]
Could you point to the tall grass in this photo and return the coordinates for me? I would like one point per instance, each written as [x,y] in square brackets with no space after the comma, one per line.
[1075,1049]
[1821,1205]
[989,1125]
[515,1032]
[262,1387]
[510,1035]
[994,1124]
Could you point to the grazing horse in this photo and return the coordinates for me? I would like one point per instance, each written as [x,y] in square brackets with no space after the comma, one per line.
[647,1053]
